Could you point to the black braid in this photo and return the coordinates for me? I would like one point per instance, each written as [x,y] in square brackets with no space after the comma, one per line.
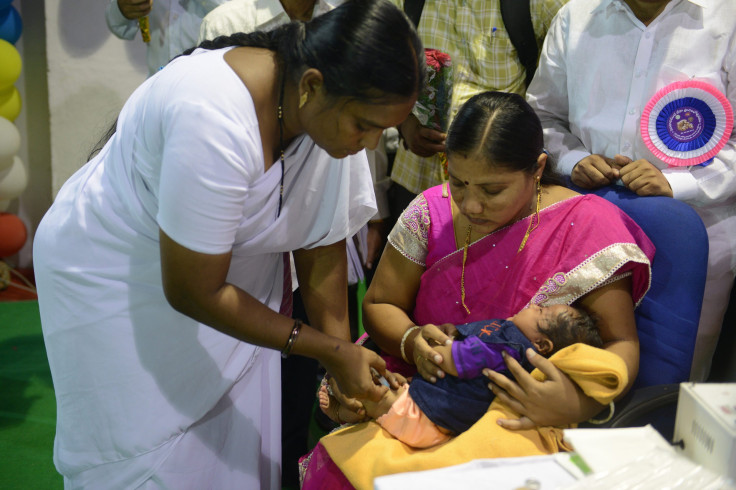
[257,39]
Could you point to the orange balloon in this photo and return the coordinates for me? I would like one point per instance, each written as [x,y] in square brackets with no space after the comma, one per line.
[13,234]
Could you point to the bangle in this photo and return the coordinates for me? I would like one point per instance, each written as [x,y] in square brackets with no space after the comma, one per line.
[326,383]
[611,410]
[403,342]
[292,338]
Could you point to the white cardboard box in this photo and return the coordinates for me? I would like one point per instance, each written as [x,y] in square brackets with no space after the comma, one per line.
[706,425]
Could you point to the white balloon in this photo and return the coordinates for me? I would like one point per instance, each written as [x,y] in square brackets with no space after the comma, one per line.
[6,163]
[9,142]
[13,182]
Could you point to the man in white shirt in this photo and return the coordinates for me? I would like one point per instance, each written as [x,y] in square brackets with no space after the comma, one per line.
[174,25]
[260,15]
[602,61]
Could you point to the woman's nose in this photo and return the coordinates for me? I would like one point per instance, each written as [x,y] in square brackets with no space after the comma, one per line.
[470,205]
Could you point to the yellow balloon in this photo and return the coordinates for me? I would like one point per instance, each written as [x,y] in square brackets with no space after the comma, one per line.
[10,104]
[10,64]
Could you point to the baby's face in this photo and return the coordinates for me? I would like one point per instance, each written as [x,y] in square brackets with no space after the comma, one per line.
[532,317]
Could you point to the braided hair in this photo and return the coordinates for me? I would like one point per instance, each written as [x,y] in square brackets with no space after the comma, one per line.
[365,49]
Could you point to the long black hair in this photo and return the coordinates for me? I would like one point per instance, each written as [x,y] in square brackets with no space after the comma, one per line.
[365,49]
[502,129]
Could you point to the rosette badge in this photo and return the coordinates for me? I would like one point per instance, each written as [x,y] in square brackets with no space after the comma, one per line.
[687,123]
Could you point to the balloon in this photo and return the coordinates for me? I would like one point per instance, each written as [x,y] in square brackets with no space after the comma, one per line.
[9,143]
[10,25]
[5,4]
[14,181]
[10,103]
[13,234]
[10,64]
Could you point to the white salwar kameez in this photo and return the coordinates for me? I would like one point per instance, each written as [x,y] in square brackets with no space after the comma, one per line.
[148,397]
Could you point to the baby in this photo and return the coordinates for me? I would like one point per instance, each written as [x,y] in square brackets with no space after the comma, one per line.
[423,414]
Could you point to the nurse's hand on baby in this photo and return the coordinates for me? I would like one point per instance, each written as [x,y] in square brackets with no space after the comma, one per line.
[345,410]
[428,359]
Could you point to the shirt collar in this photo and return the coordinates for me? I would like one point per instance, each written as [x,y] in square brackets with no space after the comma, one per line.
[613,5]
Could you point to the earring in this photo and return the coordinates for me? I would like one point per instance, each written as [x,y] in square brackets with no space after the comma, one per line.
[532,222]
[303,99]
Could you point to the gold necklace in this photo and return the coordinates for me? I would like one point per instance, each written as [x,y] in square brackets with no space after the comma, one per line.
[462,273]
[533,224]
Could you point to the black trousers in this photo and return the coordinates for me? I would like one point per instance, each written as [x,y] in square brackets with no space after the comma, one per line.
[298,389]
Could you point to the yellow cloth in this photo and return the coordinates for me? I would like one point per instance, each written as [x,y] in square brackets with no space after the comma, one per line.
[366,451]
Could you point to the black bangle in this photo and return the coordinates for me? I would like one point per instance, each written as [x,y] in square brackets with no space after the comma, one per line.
[292,338]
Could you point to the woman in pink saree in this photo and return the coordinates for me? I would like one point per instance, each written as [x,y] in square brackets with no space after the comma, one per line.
[502,235]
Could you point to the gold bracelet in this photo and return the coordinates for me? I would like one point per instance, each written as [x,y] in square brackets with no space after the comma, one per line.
[292,338]
[403,342]
[611,410]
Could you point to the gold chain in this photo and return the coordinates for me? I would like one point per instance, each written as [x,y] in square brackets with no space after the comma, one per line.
[532,221]
[462,274]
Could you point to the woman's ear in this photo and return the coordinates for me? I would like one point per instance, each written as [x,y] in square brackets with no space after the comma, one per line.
[544,346]
[310,85]
[541,163]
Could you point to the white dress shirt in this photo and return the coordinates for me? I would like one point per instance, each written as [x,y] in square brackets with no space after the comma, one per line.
[252,15]
[599,67]
[174,27]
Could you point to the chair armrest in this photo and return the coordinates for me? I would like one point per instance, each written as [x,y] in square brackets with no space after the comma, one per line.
[655,405]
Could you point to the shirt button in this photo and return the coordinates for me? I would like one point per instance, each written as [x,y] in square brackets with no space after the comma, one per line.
[632,111]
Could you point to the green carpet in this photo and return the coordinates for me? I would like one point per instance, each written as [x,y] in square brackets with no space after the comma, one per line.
[27,405]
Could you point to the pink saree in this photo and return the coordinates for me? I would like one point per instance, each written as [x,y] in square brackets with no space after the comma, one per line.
[581,244]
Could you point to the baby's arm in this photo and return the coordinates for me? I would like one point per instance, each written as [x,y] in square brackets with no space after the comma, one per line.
[474,355]
[471,355]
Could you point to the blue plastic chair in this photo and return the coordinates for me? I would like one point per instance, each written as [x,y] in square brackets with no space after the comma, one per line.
[667,318]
